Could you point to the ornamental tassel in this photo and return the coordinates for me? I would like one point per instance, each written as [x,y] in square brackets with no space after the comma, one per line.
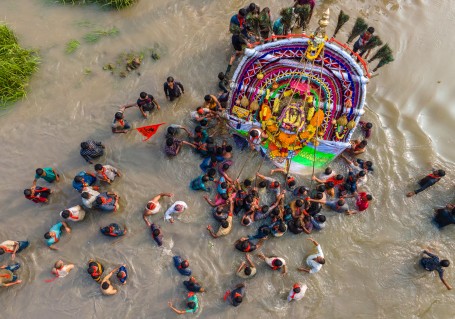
[342,19]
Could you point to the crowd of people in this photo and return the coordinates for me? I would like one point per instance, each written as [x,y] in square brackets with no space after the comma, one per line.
[270,205]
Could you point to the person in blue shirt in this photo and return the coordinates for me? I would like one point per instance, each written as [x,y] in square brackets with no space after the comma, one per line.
[84,179]
[182,266]
[432,263]
[113,230]
[192,305]
[237,22]
[198,183]
[53,235]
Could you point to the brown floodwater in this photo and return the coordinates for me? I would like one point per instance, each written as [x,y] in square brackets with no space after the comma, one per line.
[372,259]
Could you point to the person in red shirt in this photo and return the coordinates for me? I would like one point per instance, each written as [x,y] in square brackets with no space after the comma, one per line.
[38,194]
[362,201]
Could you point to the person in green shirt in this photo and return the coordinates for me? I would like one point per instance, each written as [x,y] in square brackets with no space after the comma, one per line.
[46,173]
[192,305]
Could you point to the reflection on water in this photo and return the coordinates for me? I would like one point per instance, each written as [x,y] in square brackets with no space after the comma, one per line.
[371,259]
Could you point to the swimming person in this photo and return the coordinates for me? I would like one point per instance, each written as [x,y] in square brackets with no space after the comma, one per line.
[119,124]
[276,263]
[315,261]
[235,297]
[245,245]
[95,269]
[8,275]
[428,181]
[74,214]
[46,173]
[106,285]
[38,194]
[432,263]
[297,292]
[61,270]
[53,235]
[246,270]
[192,304]
[444,216]
[173,89]
[177,208]
[122,274]
[182,265]
[106,173]
[193,285]
[153,206]
[198,184]
[157,235]
[113,230]
[13,247]
[91,149]
[366,128]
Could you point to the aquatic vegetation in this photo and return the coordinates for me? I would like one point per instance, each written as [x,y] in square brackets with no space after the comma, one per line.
[16,66]
[129,61]
[95,35]
[117,4]
[72,46]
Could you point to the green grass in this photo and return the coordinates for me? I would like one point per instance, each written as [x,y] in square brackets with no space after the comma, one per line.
[16,67]
[72,46]
[95,35]
[117,4]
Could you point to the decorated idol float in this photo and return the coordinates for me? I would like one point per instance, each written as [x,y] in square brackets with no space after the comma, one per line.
[306,93]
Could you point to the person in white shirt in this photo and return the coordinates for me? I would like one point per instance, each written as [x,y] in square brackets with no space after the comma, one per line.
[61,270]
[74,214]
[297,292]
[153,206]
[106,173]
[89,196]
[276,263]
[328,172]
[314,261]
[177,207]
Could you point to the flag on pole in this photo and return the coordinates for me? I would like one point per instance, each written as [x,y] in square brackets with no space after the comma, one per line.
[148,131]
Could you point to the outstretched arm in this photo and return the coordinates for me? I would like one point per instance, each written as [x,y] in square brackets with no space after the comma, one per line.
[180,312]
[446,284]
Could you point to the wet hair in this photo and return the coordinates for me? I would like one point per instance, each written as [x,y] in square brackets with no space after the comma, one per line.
[205,178]
[363,143]
[171,130]
[441,172]
[299,203]
[225,166]
[370,30]
[291,183]
[282,227]
[275,184]
[296,290]
[369,163]
[47,235]
[105,229]
[301,190]
[321,188]
[219,151]
[328,171]
[247,270]
[252,6]
[118,115]
[85,195]
[98,200]
[322,261]
[39,171]
[319,195]
[238,299]
[78,179]
[204,122]
[191,304]
[330,185]
[207,98]
[362,173]
[213,159]
[247,182]
[254,133]
[223,185]
[444,263]
[143,95]
[211,172]
[242,12]
[156,232]
[275,211]
[224,196]
[265,208]
[341,202]
[84,145]
[321,218]
[66,213]
[221,76]
[170,79]
[266,230]
[184,264]
[277,263]
[249,199]
[98,167]
[262,184]
[105,285]
[27,192]
[339,177]
[369,197]
[245,222]
[369,125]
[228,148]
[224,224]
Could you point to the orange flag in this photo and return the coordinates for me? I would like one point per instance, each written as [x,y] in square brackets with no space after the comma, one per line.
[148,131]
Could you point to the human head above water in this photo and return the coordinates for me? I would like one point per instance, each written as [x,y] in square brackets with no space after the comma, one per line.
[170,79]
[328,171]
[39,172]
[66,213]
[143,95]
[98,167]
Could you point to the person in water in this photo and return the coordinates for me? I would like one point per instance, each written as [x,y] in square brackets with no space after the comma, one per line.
[276,263]
[53,235]
[38,194]
[173,89]
[366,128]
[182,265]
[363,39]
[119,124]
[122,274]
[89,196]
[153,206]
[226,225]
[61,270]
[314,261]
[146,103]
[444,216]
[193,285]
[106,173]
[358,147]
[247,269]
[157,234]
[431,262]
[198,184]
[113,230]
[95,269]
[235,297]
[74,214]
[246,246]
[177,208]
[192,305]
[13,247]
[8,275]
[84,179]
[107,202]
[46,173]
[91,149]
[106,285]
[297,292]
[428,181]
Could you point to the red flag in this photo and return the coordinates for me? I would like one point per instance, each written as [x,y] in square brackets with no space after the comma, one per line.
[148,131]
